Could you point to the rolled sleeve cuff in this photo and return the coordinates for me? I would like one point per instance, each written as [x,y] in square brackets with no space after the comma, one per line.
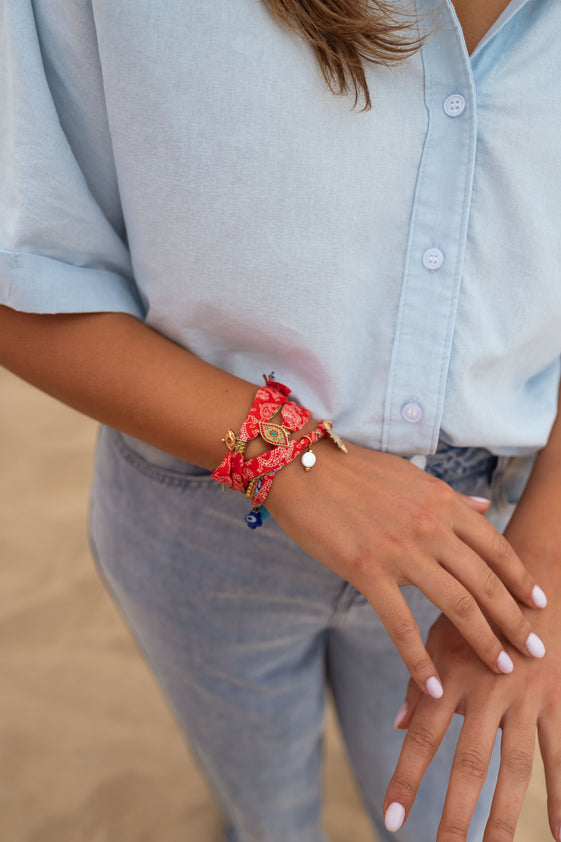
[36,284]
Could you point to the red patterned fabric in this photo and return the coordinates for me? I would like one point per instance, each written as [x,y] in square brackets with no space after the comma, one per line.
[232,471]
[265,404]
[295,416]
[267,464]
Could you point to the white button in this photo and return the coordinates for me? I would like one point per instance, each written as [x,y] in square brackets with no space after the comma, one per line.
[433,259]
[412,412]
[454,105]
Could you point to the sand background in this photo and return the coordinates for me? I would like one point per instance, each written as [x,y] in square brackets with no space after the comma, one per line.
[89,751]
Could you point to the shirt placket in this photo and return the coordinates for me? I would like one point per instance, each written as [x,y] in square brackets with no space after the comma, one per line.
[435,252]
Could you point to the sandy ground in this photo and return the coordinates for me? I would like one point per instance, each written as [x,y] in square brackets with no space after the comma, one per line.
[89,751]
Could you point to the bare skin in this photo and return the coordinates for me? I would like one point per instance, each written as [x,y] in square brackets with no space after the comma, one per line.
[526,700]
[119,371]
[477,17]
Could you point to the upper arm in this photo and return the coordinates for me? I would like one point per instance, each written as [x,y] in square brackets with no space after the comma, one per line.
[62,232]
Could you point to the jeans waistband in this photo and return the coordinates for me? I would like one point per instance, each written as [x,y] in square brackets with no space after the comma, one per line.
[454,463]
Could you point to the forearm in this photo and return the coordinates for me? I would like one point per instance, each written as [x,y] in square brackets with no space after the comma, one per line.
[372,518]
[535,528]
[117,370]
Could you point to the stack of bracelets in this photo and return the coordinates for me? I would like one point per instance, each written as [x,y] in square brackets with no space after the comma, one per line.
[254,477]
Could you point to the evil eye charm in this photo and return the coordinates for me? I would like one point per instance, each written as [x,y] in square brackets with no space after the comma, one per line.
[254,519]
[275,434]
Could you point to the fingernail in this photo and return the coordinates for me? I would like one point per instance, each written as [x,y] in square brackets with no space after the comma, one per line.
[538,597]
[434,687]
[401,714]
[394,817]
[480,499]
[534,646]
[559,833]
[504,663]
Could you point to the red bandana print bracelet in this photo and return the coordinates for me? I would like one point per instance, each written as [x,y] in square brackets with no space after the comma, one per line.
[254,477]
[269,399]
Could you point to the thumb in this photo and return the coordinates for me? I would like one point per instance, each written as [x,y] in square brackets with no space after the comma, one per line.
[480,504]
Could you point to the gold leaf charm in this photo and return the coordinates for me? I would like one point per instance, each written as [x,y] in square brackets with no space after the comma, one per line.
[334,437]
[275,434]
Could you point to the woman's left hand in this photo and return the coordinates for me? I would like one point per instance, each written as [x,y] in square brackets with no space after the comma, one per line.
[530,696]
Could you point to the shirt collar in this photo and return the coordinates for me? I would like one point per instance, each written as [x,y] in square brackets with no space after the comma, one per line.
[430,7]
[511,10]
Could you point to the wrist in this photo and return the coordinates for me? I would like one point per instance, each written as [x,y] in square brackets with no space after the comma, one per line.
[296,487]
[249,467]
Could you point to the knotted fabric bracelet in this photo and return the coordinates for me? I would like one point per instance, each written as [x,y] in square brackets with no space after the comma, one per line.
[258,473]
[255,476]
[270,398]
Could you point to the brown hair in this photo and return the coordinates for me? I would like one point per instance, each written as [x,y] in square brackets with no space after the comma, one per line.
[345,33]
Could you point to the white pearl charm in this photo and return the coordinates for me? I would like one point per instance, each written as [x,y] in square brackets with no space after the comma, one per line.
[308,459]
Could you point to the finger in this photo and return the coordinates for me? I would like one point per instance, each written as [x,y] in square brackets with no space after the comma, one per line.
[494,599]
[549,733]
[480,504]
[425,733]
[517,753]
[461,608]
[407,710]
[469,770]
[391,607]
[488,543]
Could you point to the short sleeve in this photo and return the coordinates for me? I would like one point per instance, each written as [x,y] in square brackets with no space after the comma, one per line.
[63,241]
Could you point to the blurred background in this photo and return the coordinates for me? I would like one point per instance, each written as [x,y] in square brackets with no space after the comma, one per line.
[89,751]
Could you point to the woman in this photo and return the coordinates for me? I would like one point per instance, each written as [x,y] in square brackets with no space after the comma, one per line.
[193,206]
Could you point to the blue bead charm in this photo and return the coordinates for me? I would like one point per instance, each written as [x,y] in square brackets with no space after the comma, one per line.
[257,517]
[254,519]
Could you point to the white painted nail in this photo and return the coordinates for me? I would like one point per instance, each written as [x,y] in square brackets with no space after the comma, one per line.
[401,714]
[504,663]
[534,646]
[480,499]
[434,687]
[538,597]
[395,816]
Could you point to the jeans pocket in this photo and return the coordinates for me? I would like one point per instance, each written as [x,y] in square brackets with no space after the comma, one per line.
[153,463]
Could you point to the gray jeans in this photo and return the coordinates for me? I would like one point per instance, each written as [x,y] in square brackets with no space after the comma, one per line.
[245,632]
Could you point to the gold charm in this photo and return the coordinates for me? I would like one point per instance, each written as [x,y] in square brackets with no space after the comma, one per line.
[234,443]
[334,437]
[275,434]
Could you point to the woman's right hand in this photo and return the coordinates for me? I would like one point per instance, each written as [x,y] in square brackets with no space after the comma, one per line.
[380,522]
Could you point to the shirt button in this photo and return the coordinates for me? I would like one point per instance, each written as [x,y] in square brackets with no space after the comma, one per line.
[412,412]
[454,105]
[433,259]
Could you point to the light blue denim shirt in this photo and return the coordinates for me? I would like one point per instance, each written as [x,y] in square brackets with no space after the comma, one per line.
[399,268]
